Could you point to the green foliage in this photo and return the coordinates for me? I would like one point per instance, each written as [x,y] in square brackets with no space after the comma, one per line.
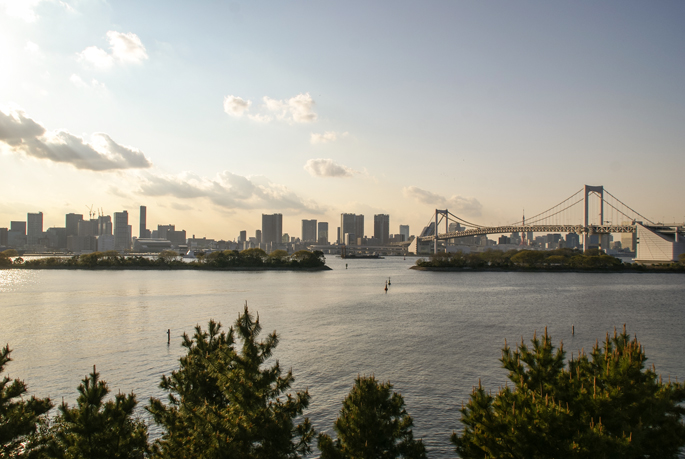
[167,256]
[373,424]
[602,405]
[681,258]
[97,429]
[9,253]
[224,403]
[19,418]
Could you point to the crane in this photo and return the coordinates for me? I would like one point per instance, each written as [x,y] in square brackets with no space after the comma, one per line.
[90,211]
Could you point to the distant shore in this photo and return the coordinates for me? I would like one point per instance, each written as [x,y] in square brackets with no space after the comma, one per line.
[632,270]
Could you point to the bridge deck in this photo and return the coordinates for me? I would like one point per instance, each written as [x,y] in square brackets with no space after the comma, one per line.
[579,229]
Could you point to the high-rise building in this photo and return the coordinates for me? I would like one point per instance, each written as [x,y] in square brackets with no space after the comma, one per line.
[3,237]
[258,236]
[34,228]
[243,236]
[323,233]
[19,227]
[272,229]
[143,222]
[381,228]
[72,224]
[104,225]
[353,226]
[122,237]
[308,230]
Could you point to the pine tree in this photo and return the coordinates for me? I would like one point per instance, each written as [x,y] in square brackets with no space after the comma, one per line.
[95,429]
[373,424]
[602,405]
[19,418]
[224,403]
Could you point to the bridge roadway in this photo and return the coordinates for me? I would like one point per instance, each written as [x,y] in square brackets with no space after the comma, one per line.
[578,229]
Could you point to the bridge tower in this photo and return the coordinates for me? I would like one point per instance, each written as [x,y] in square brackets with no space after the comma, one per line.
[435,235]
[599,190]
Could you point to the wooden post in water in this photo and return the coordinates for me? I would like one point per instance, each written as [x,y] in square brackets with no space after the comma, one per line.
[573,330]
[168,336]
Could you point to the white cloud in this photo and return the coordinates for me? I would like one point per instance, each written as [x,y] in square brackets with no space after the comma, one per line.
[23,9]
[327,168]
[455,204]
[328,136]
[228,190]
[298,109]
[260,118]
[33,48]
[236,106]
[94,85]
[24,135]
[126,49]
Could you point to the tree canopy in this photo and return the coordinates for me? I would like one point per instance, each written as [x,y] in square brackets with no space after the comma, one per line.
[605,404]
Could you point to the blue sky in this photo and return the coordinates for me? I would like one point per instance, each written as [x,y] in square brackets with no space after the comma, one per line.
[212,113]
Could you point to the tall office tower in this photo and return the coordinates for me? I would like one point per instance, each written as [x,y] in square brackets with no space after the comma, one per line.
[143,222]
[104,225]
[34,228]
[308,230]
[348,226]
[258,236]
[122,237]
[272,229]
[72,224]
[88,228]
[19,227]
[381,227]
[3,237]
[243,236]
[162,230]
[359,228]
[323,232]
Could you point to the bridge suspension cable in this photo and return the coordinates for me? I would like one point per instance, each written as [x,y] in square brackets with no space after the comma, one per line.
[532,219]
[627,206]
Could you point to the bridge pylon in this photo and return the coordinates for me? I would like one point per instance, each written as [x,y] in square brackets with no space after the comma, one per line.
[445,213]
[592,189]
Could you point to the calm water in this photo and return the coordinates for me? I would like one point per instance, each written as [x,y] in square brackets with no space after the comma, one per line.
[433,335]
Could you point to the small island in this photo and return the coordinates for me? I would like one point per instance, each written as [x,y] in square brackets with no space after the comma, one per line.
[227,260]
[560,260]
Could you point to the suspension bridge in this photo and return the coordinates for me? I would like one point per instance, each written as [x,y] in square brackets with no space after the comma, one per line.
[592,210]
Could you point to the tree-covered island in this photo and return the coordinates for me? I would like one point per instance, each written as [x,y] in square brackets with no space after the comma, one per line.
[538,260]
[227,260]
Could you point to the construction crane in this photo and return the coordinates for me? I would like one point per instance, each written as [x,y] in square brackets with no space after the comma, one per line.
[90,211]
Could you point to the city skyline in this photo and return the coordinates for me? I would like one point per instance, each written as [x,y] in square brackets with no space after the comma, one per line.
[218,114]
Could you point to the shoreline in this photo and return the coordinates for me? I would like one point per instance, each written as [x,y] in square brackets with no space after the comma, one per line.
[550,270]
[167,268]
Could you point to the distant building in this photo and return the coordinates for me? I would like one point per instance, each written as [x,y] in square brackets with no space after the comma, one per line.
[151,245]
[503,240]
[34,228]
[351,228]
[243,236]
[3,237]
[105,243]
[72,224]
[122,237]
[308,230]
[143,231]
[323,233]
[258,236]
[381,228]
[16,236]
[404,231]
[272,230]
[428,230]
[104,225]
[57,238]
[572,241]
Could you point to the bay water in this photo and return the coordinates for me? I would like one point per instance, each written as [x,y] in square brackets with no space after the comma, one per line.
[433,335]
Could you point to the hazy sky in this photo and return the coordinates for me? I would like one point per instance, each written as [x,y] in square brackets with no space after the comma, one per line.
[212,113]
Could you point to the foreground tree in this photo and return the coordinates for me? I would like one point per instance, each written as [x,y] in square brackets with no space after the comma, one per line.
[224,403]
[602,405]
[373,424]
[96,429]
[19,418]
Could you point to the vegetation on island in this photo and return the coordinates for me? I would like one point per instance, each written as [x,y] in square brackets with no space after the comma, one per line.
[229,399]
[169,259]
[539,260]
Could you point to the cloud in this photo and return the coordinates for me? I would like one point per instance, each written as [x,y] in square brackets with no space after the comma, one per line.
[229,191]
[24,135]
[126,49]
[298,109]
[236,106]
[327,168]
[94,85]
[456,204]
[24,9]
[328,136]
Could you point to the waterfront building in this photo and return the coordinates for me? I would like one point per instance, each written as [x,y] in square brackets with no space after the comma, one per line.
[404,231]
[243,236]
[105,225]
[143,231]
[381,228]
[57,238]
[3,237]
[353,225]
[258,237]
[272,229]
[34,228]
[72,224]
[122,236]
[308,230]
[105,242]
[323,233]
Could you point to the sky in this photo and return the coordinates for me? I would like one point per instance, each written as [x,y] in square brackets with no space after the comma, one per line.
[211,113]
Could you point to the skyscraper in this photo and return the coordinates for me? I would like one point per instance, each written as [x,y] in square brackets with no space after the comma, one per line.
[34,228]
[323,233]
[72,224]
[272,229]
[122,236]
[308,230]
[404,231]
[348,226]
[381,227]
[143,222]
